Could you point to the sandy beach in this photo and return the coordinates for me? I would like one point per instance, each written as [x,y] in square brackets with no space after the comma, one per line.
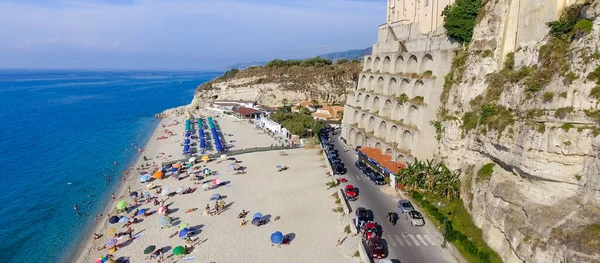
[297,197]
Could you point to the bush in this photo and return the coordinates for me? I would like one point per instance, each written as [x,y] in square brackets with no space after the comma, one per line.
[567,126]
[561,113]
[564,94]
[584,26]
[403,98]
[459,19]
[297,123]
[229,74]
[548,96]
[341,61]
[486,170]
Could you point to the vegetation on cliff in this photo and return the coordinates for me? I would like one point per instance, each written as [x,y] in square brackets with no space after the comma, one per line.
[460,19]
[297,123]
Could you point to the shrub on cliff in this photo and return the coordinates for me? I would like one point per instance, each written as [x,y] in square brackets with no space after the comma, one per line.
[459,19]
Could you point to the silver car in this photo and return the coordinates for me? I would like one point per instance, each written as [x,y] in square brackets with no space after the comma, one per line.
[416,219]
[405,206]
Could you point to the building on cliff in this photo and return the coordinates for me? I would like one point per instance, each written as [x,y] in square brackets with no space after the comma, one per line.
[400,85]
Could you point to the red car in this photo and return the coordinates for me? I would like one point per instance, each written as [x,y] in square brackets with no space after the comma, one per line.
[370,231]
[375,248]
[350,192]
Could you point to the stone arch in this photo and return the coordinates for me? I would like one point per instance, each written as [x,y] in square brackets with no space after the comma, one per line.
[392,134]
[412,115]
[358,99]
[378,145]
[388,152]
[352,137]
[376,64]
[393,87]
[386,111]
[413,64]
[366,102]
[375,104]
[397,113]
[407,140]
[417,89]
[370,84]
[386,66]
[404,87]
[400,158]
[399,67]
[359,139]
[379,85]
[356,117]
[427,63]
[382,130]
[371,125]
[362,82]
[369,64]
[363,121]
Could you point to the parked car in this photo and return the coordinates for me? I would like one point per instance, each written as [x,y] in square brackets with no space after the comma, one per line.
[339,169]
[375,248]
[416,219]
[351,193]
[363,216]
[378,179]
[405,206]
[370,231]
[360,165]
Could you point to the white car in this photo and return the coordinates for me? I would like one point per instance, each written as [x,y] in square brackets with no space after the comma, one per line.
[416,219]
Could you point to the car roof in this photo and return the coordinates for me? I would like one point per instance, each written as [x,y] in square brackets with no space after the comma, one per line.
[349,186]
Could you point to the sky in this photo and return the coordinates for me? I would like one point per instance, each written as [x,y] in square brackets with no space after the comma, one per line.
[179,34]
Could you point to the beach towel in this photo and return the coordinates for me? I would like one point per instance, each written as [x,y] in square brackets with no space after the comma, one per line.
[140,235]
[189,258]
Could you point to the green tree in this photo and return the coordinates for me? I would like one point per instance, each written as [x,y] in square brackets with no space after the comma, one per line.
[460,19]
[305,111]
[284,102]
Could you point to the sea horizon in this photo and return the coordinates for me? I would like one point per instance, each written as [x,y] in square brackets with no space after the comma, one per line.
[63,130]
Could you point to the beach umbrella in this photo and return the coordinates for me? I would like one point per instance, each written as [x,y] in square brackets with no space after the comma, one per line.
[111,231]
[189,165]
[144,178]
[174,170]
[121,205]
[184,232]
[224,156]
[111,243]
[215,197]
[278,166]
[182,226]
[165,191]
[277,238]
[187,134]
[202,143]
[143,172]
[149,249]
[216,181]
[257,215]
[123,219]
[178,250]
[162,210]
[141,211]
[158,175]
[205,158]
[113,219]
[192,160]
[165,221]
[177,165]
[98,260]
[206,171]
[133,194]
[255,221]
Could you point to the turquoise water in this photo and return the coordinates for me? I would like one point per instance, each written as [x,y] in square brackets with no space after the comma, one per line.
[60,133]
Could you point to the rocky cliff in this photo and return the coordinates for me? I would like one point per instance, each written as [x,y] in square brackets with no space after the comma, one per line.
[523,100]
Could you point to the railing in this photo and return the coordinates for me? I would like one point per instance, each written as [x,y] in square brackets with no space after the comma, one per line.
[237,152]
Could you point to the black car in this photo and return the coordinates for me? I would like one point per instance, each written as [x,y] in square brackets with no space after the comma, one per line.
[360,165]
[339,169]
[363,216]
[378,179]
[368,172]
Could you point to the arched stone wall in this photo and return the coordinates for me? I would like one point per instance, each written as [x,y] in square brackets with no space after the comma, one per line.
[362,82]
[363,121]
[366,102]
[418,88]
[370,84]
[371,125]
[413,64]
[376,64]
[393,87]
[358,99]
[399,65]
[412,115]
[382,130]
[392,134]
[400,158]
[407,140]
[369,64]
[378,145]
[379,86]
[427,63]
[387,64]
[352,137]
[359,139]
[388,152]
[375,106]
[356,117]
[398,112]
[386,110]
[404,84]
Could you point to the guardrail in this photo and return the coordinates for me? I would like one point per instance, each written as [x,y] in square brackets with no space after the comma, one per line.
[237,152]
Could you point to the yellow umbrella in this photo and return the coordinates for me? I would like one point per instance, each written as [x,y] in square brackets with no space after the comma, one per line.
[111,231]
[205,158]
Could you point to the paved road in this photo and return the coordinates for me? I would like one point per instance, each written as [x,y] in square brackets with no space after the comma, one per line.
[405,243]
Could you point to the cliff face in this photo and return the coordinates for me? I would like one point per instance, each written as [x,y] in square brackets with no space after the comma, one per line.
[533,114]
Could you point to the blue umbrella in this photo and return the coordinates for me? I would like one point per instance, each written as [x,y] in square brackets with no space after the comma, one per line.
[144,178]
[278,166]
[215,197]
[257,215]
[255,221]
[183,232]
[113,219]
[141,211]
[174,169]
[277,238]
[187,141]
[123,219]
[133,194]
[187,134]
[202,143]
[165,221]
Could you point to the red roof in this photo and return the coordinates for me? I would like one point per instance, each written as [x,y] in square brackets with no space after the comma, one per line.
[246,111]
[382,159]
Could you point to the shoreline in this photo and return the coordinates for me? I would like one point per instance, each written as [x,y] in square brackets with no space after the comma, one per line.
[87,240]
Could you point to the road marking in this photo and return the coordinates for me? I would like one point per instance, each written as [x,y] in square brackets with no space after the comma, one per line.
[390,240]
[399,240]
[422,240]
[414,240]
[406,239]
[430,240]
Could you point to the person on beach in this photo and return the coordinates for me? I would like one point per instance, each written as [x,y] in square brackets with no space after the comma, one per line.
[75,207]
[97,236]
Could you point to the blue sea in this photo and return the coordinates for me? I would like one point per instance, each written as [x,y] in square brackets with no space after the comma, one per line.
[60,132]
